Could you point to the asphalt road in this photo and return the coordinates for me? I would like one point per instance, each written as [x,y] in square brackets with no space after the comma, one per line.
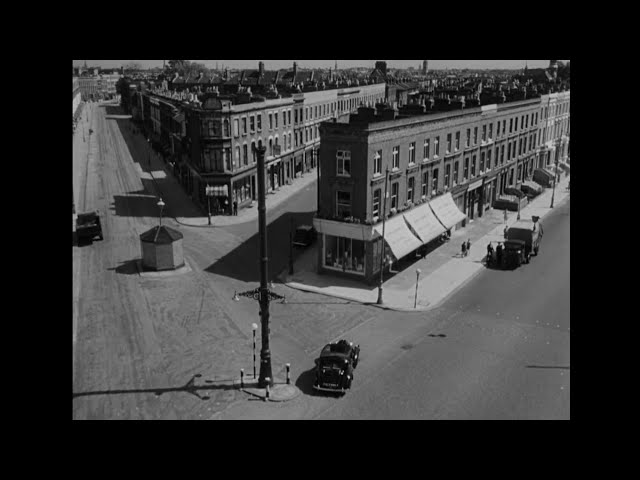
[498,349]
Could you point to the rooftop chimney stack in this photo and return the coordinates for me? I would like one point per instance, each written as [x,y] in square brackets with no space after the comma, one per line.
[261,68]
[295,69]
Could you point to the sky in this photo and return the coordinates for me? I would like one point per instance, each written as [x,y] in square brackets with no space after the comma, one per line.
[277,64]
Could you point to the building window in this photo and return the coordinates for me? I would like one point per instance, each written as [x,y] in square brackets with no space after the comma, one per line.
[526,121]
[509,151]
[466,170]
[394,195]
[376,202]
[344,254]
[498,129]
[236,127]
[245,154]
[468,139]
[434,182]
[488,160]
[396,158]
[289,116]
[244,125]
[411,183]
[412,153]
[436,144]
[259,122]
[447,173]
[510,125]
[295,116]
[344,163]
[343,204]
[482,156]
[211,128]
[236,160]
[270,121]
[475,135]
[473,167]
[457,141]
[449,136]
[484,132]
[455,173]
[377,163]
[276,119]
[425,153]
[490,131]
[516,127]
[502,155]
[425,182]
[252,124]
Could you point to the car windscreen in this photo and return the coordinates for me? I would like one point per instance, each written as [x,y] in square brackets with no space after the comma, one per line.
[332,362]
[86,219]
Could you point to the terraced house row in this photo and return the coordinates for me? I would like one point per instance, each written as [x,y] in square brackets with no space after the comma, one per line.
[439,169]
[209,136]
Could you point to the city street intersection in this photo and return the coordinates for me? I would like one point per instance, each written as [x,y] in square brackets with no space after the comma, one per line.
[171,347]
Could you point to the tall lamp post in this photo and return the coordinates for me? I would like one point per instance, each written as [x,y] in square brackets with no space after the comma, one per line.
[317,153]
[555,172]
[161,205]
[262,293]
[384,216]
[291,230]
[254,327]
[415,300]
[209,191]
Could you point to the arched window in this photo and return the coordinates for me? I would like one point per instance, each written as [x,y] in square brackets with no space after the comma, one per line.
[270,147]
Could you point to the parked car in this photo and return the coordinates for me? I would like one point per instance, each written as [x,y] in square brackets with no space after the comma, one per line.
[334,368]
[88,226]
[304,236]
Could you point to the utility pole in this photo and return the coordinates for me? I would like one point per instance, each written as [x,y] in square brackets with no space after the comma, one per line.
[384,217]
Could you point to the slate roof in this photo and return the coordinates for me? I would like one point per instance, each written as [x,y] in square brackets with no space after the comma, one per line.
[161,235]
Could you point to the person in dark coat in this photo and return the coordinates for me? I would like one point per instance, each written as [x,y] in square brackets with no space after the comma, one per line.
[468,245]
[499,254]
[464,249]
[489,253]
[235,207]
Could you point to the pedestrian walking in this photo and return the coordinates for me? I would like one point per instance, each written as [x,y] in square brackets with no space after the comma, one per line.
[506,229]
[489,253]
[464,249]
[235,207]
[499,254]
[468,246]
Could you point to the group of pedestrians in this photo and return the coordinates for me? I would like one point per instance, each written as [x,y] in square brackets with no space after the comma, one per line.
[466,247]
[498,252]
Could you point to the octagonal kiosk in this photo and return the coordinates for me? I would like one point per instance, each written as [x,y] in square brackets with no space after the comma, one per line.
[161,249]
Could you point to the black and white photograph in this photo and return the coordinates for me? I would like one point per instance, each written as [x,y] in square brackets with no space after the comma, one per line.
[321,239]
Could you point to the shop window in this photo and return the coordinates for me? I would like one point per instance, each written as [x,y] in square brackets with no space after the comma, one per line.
[344,254]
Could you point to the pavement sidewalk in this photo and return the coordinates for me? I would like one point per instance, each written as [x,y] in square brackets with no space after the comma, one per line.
[175,194]
[443,271]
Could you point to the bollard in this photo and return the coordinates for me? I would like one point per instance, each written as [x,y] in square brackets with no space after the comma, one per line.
[288,370]
[242,378]
[268,380]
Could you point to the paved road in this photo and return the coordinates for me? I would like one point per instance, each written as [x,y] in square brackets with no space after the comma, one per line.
[499,349]
[135,335]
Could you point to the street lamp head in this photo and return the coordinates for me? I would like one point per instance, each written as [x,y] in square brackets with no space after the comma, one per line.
[254,326]
[161,203]
[418,271]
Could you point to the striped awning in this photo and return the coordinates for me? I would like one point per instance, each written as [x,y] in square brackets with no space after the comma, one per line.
[423,221]
[398,236]
[446,210]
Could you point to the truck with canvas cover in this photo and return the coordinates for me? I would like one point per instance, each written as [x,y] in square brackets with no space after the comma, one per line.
[528,231]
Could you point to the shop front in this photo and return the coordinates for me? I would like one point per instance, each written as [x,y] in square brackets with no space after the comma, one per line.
[241,188]
[473,199]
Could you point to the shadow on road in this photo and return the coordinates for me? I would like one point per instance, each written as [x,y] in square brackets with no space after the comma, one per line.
[189,387]
[305,384]
[137,204]
[129,267]
[243,263]
[178,203]
[549,366]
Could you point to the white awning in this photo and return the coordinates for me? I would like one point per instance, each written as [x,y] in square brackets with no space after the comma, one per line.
[424,222]
[398,236]
[355,231]
[446,210]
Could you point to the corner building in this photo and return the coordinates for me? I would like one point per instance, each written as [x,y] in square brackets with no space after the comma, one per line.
[444,167]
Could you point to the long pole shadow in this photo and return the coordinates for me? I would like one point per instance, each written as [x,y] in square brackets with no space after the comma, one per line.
[189,387]
[549,366]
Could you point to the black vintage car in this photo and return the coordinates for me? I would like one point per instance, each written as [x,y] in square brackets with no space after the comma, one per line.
[88,226]
[305,235]
[334,368]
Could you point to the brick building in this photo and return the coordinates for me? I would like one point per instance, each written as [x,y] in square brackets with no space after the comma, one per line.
[447,164]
